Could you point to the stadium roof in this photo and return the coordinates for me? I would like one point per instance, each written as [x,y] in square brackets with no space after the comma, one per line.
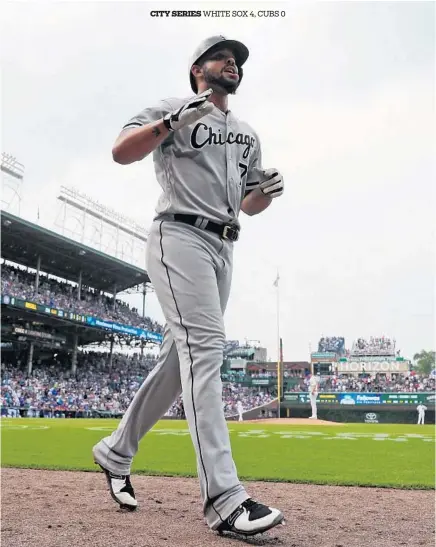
[22,242]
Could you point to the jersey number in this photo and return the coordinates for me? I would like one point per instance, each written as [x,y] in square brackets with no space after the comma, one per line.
[244,169]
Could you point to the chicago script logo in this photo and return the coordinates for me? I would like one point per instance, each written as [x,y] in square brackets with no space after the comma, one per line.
[203,135]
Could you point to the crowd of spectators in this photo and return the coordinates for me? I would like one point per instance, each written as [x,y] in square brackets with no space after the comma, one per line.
[20,283]
[381,383]
[249,397]
[335,344]
[230,345]
[378,384]
[241,375]
[395,383]
[232,393]
[96,387]
[373,346]
[176,410]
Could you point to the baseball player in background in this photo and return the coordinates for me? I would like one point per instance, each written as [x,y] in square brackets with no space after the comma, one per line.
[313,394]
[209,166]
[421,413]
[240,410]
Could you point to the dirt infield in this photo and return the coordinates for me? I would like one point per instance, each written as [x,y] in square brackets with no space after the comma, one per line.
[291,421]
[73,509]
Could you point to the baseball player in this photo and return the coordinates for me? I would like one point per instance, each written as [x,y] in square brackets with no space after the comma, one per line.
[209,166]
[240,410]
[313,393]
[421,413]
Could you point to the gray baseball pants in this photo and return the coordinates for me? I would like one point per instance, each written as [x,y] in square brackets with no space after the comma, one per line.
[313,397]
[191,272]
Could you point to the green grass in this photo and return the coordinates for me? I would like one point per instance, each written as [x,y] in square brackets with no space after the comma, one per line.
[312,454]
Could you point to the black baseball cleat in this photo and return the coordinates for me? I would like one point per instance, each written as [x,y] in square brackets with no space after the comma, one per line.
[121,489]
[251,518]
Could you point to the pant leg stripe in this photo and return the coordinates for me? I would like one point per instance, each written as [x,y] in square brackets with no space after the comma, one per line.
[190,370]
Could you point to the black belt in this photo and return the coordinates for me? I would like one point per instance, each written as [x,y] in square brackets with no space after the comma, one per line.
[226,231]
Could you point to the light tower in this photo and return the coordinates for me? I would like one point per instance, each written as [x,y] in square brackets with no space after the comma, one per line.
[12,183]
[87,220]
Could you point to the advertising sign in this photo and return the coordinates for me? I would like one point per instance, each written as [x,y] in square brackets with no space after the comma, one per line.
[323,357]
[360,399]
[322,398]
[353,399]
[260,381]
[371,418]
[39,334]
[291,397]
[327,398]
[80,318]
[369,365]
[406,398]
[360,358]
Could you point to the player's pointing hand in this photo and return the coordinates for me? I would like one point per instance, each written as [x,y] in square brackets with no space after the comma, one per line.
[190,112]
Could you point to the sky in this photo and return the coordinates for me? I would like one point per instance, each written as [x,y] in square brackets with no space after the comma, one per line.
[341,95]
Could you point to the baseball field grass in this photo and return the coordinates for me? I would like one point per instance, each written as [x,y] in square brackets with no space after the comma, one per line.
[401,456]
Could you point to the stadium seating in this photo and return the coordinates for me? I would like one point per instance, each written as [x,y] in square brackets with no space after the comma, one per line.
[379,384]
[96,387]
[19,283]
[373,346]
[335,344]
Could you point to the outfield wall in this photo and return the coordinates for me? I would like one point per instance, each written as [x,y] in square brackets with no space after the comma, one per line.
[370,414]
[361,407]
[402,414]
[353,398]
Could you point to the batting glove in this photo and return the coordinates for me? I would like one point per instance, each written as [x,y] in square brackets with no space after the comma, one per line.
[273,186]
[193,110]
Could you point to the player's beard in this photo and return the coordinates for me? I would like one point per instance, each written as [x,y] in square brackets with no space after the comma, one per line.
[220,83]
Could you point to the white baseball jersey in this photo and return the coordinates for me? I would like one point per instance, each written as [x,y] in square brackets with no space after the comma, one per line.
[421,408]
[313,383]
[227,164]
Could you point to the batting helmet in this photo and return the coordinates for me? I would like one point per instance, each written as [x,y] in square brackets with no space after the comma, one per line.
[213,43]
